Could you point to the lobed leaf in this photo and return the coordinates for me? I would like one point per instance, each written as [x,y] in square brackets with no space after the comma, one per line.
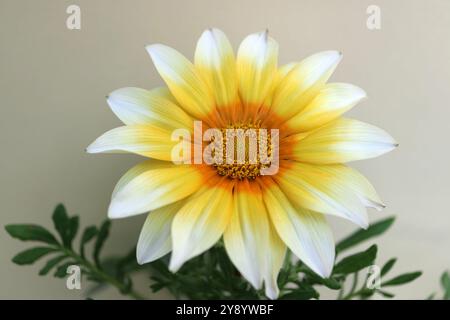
[88,234]
[61,222]
[30,256]
[61,271]
[51,264]
[101,237]
[30,232]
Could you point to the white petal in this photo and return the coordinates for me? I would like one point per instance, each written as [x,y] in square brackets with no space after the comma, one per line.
[153,189]
[200,223]
[343,140]
[251,242]
[304,82]
[183,80]
[214,58]
[139,106]
[154,240]
[305,232]
[146,140]
[257,67]
[331,102]
[359,184]
[313,187]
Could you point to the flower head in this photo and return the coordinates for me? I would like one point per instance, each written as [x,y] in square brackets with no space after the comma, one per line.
[277,196]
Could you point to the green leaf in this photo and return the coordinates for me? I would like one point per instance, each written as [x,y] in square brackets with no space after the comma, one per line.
[30,232]
[62,223]
[61,271]
[402,279]
[445,282]
[66,227]
[51,264]
[312,276]
[388,266]
[331,283]
[88,234]
[356,261]
[302,293]
[31,255]
[386,294]
[72,230]
[359,236]
[366,293]
[102,235]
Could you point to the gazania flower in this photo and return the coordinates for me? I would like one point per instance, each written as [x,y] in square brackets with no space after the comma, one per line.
[192,206]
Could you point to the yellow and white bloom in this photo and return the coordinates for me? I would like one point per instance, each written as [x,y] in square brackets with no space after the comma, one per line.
[192,206]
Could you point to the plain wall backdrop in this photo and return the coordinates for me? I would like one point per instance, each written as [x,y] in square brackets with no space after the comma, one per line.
[53,83]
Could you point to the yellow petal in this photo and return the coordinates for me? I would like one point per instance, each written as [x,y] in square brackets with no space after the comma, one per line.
[281,74]
[355,181]
[139,106]
[138,169]
[154,188]
[314,188]
[304,82]
[146,140]
[155,241]
[214,59]
[305,232]
[331,102]
[251,242]
[184,82]
[256,67]
[200,223]
[342,140]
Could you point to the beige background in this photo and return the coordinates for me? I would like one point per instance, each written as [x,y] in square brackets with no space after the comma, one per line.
[53,82]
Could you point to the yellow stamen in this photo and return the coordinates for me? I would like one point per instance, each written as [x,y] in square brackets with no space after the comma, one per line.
[248,169]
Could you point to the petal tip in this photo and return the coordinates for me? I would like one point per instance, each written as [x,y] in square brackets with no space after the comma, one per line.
[91,148]
[139,259]
[364,225]
[174,265]
[152,49]
[272,293]
[116,211]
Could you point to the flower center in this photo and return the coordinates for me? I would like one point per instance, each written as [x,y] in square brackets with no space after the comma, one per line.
[246,149]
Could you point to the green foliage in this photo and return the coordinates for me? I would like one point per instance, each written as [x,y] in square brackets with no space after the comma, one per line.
[211,275]
[63,255]
[388,266]
[52,263]
[402,279]
[356,261]
[88,234]
[445,284]
[359,236]
[102,234]
[30,256]
[30,232]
